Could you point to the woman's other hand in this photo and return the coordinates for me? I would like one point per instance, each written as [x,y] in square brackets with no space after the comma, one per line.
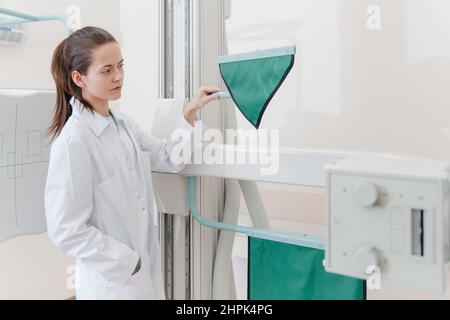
[205,96]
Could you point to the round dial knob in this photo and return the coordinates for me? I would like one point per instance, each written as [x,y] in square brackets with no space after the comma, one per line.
[366,257]
[367,194]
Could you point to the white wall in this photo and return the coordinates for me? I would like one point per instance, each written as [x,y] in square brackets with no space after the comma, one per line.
[351,87]
[28,65]
[30,267]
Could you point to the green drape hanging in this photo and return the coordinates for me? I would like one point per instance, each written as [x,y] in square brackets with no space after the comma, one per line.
[279,271]
[253,79]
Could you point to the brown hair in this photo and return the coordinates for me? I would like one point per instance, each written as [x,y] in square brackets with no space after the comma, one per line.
[73,54]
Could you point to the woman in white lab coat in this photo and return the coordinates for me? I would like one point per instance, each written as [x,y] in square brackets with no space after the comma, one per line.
[99,195]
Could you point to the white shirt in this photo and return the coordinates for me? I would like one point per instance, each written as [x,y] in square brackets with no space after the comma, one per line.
[99,203]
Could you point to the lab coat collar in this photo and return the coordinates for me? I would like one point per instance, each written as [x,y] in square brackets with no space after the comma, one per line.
[95,121]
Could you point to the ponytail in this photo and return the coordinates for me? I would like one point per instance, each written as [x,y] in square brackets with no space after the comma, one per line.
[62,111]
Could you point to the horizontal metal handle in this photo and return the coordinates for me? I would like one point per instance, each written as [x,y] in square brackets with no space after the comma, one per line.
[289,238]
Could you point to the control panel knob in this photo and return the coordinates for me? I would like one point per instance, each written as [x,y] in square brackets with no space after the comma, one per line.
[366,257]
[367,194]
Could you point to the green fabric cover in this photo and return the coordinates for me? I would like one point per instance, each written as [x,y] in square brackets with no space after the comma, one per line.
[279,271]
[253,83]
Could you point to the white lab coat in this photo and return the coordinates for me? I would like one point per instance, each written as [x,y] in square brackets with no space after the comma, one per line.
[100,208]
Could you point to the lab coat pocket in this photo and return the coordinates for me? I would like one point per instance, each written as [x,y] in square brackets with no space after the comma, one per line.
[110,209]
[108,181]
[135,288]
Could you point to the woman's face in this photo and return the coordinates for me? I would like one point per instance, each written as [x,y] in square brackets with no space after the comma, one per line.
[105,76]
